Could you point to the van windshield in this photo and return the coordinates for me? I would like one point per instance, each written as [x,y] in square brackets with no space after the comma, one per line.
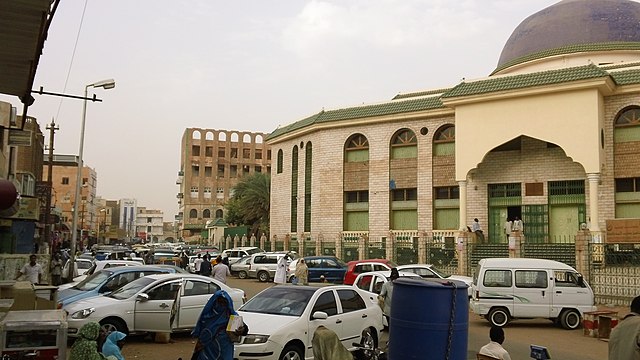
[254,251]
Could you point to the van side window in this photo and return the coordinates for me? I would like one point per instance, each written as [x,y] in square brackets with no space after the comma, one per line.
[566,279]
[497,278]
[531,279]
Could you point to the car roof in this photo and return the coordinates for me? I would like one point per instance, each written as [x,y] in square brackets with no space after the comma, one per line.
[121,269]
[177,276]
[428,266]
[369,261]
[524,263]
[387,274]
[242,248]
[98,262]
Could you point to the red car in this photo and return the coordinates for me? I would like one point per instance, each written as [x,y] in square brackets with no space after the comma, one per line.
[356,267]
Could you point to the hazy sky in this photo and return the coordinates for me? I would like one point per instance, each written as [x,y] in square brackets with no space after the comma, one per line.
[243,65]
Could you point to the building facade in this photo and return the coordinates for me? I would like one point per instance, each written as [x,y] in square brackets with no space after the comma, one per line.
[550,138]
[149,225]
[211,163]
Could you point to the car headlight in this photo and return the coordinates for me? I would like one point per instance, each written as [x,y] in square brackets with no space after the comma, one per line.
[255,339]
[83,314]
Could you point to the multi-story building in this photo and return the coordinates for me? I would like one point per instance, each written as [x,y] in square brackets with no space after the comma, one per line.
[149,225]
[63,184]
[211,163]
[550,137]
[127,211]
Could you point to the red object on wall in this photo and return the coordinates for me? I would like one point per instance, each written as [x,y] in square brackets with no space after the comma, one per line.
[8,194]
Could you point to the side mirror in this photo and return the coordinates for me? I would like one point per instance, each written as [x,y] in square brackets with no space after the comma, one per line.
[142,297]
[581,280]
[319,315]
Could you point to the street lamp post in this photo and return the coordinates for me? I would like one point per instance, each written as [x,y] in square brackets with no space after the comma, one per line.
[105,84]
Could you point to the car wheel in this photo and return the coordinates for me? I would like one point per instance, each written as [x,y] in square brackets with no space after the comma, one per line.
[291,352]
[499,317]
[291,279]
[263,276]
[570,319]
[368,344]
[242,274]
[110,324]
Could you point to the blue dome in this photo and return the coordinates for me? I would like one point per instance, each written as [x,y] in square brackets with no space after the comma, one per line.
[573,22]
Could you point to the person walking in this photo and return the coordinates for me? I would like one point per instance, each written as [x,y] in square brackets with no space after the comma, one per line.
[197,263]
[32,270]
[494,347]
[507,228]
[56,270]
[302,272]
[205,266]
[213,341]
[221,272]
[624,341]
[386,294]
[281,270]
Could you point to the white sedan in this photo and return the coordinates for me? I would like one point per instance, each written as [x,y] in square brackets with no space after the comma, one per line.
[428,271]
[283,318]
[145,304]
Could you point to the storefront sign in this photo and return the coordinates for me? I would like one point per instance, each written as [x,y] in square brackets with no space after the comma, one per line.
[623,231]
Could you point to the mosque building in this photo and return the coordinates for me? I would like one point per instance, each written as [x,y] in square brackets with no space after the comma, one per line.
[551,136]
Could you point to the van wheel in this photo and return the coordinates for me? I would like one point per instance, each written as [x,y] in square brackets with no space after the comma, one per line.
[263,276]
[570,319]
[499,317]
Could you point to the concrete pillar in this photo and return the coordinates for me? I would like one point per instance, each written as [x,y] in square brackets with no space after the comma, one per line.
[263,240]
[228,242]
[463,247]
[422,247]
[287,240]
[339,246]
[252,241]
[594,183]
[244,240]
[516,240]
[319,240]
[583,258]
[362,249]
[274,240]
[463,204]
[389,245]
[236,241]
[302,238]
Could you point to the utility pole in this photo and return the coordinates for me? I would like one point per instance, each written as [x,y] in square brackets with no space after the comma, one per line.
[47,211]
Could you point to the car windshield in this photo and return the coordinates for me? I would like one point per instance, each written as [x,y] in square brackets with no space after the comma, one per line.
[131,288]
[83,264]
[438,272]
[254,251]
[280,300]
[91,269]
[93,281]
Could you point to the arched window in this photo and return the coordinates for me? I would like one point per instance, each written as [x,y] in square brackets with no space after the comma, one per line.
[444,140]
[259,139]
[246,139]
[209,135]
[626,125]
[404,145]
[279,162]
[206,213]
[222,136]
[234,137]
[219,214]
[196,135]
[308,162]
[193,213]
[356,149]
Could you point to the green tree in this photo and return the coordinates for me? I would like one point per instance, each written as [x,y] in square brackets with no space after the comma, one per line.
[250,203]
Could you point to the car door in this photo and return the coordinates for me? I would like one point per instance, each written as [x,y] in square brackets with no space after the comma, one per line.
[194,295]
[333,272]
[153,313]
[315,269]
[325,302]
[354,316]
[532,293]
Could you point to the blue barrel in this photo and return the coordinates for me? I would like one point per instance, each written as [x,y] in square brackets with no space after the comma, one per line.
[429,319]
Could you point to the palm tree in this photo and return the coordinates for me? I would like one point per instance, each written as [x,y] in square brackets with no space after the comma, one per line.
[250,202]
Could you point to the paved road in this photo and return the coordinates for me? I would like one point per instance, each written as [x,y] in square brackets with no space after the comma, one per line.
[562,344]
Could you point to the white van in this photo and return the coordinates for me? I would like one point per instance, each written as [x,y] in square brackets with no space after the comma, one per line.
[510,288]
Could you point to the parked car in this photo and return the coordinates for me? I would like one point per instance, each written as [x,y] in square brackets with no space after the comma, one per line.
[356,267]
[510,288]
[371,283]
[240,268]
[236,254]
[263,266]
[108,280]
[329,267]
[429,271]
[146,304]
[283,318]
[97,266]
[82,266]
